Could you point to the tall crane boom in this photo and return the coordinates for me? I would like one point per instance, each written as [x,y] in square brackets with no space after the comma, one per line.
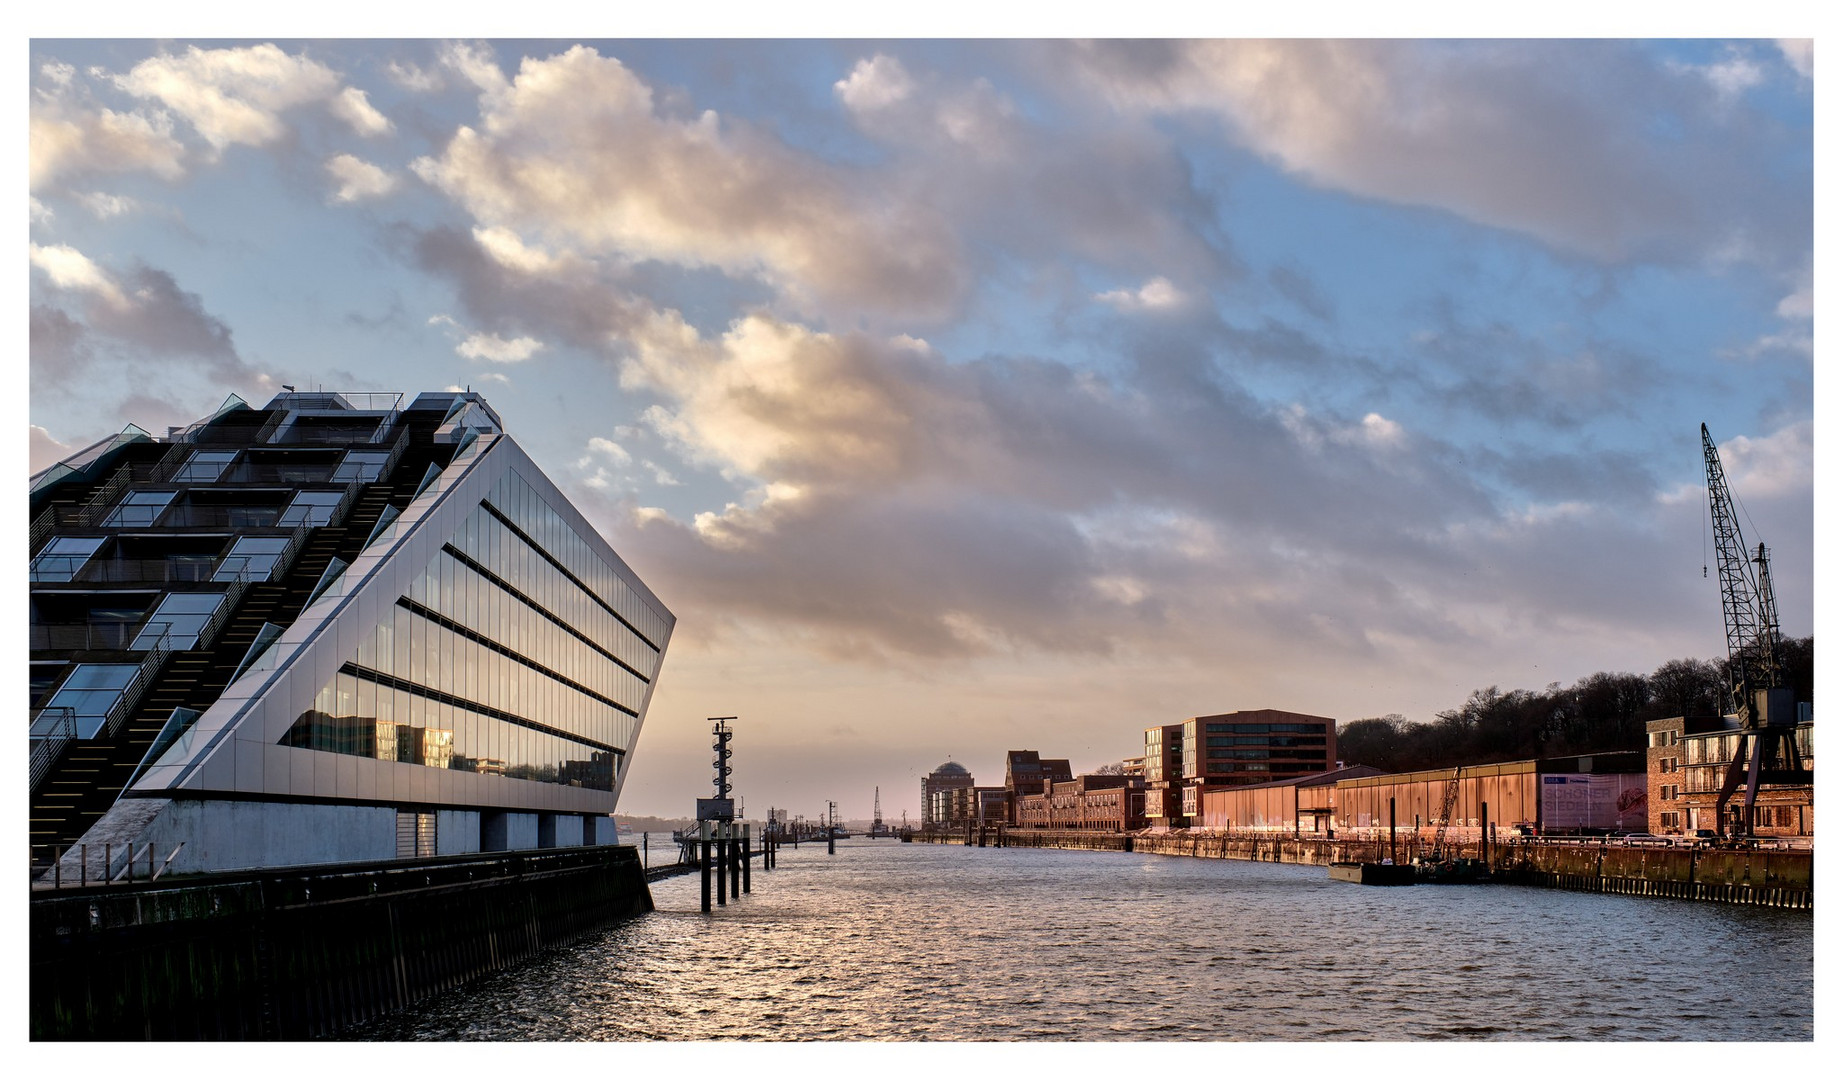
[1766,751]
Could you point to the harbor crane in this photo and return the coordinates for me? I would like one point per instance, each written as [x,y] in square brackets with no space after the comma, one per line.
[1767,750]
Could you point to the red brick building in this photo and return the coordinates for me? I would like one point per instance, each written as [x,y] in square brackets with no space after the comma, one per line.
[1097,803]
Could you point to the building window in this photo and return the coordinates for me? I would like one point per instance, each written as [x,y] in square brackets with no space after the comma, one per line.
[181,616]
[90,692]
[254,556]
[362,465]
[139,509]
[312,508]
[63,557]
[205,466]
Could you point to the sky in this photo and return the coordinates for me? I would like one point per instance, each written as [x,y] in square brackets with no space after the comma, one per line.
[960,396]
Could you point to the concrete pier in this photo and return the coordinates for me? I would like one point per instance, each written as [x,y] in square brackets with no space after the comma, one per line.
[304,953]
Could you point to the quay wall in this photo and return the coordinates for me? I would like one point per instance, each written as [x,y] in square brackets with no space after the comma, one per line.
[296,955]
[1762,877]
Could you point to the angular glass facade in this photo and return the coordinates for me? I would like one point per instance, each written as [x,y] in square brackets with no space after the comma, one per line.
[384,611]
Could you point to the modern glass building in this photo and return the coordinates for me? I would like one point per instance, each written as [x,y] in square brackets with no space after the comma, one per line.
[332,629]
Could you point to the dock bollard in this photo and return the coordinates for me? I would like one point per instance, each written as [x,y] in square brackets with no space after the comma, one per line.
[745,858]
[735,855]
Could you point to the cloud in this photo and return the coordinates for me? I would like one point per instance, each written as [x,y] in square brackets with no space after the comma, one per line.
[413,78]
[1158,294]
[43,451]
[358,179]
[140,311]
[70,269]
[57,345]
[231,96]
[69,139]
[498,350]
[576,150]
[354,107]
[1797,53]
[1769,466]
[1593,148]
[874,84]
[508,250]
[104,206]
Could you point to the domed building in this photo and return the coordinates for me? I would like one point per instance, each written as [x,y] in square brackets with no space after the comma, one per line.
[937,786]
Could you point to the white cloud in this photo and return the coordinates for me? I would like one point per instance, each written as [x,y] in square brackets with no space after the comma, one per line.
[874,84]
[508,250]
[498,350]
[1157,294]
[40,213]
[412,78]
[609,449]
[352,106]
[231,96]
[104,206]
[574,151]
[1769,466]
[1797,52]
[359,179]
[475,63]
[43,451]
[70,269]
[69,139]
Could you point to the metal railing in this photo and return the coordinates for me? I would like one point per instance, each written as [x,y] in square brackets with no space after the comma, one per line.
[48,746]
[344,505]
[112,870]
[103,499]
[222,517]
[208,633]
[150,571]
[168,466]
[150,667]
[80,637]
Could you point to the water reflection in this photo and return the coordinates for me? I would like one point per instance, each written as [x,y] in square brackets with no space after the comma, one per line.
[913,941]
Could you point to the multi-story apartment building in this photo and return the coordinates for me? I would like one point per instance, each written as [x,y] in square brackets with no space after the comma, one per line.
[1092,803]
[1164,775]
[1027,774]
[1666,807]
[332,629]
[1253,746]
[1780,810]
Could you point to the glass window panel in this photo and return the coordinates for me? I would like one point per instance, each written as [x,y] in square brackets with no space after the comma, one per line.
[63,557]
[205,466]
[138,509]
[312,508]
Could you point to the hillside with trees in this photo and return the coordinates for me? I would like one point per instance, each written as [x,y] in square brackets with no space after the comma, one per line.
[1603,712]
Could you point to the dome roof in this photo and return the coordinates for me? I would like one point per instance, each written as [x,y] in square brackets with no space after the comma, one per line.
[951,768]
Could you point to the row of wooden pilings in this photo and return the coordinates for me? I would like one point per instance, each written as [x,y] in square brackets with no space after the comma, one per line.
[1758,877]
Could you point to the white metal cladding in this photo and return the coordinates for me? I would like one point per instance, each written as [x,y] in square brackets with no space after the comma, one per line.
[233,747]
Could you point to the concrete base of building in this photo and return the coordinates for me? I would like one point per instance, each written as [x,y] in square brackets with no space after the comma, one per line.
[296,955]
[193,836]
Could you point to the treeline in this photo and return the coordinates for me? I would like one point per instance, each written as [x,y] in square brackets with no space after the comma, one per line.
[1604,712]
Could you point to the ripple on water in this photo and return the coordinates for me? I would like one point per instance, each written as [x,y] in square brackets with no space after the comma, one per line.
[917,941]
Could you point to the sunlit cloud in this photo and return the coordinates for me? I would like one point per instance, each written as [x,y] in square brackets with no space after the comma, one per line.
[358,179]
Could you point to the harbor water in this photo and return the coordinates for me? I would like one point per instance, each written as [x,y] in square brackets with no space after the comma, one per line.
[941,942]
